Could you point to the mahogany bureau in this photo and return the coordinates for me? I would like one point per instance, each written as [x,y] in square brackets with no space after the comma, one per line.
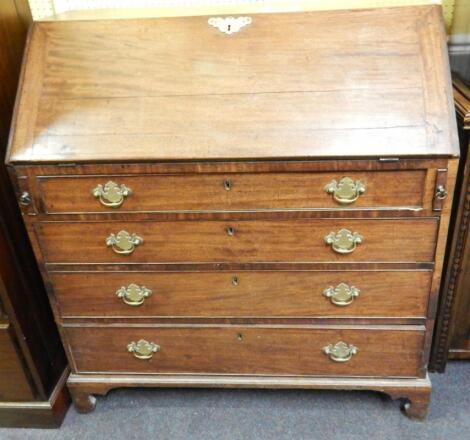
[249,201]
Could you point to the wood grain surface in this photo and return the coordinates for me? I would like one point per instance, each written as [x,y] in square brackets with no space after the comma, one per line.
[14,382]
[177,88]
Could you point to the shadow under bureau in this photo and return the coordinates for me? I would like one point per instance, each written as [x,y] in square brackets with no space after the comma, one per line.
[255,201]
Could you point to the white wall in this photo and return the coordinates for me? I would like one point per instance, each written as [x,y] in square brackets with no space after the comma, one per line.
[48,8]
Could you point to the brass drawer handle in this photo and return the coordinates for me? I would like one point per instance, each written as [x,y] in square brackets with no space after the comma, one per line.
[133,295]
[124,243]
[340,352]
[111,194]
[143,349]
[230,231]
[345,191]
[341,295]
[344,241]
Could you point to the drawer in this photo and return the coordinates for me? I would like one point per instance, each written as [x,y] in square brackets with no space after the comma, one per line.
[391,294]
[247,350]
[398,240]
[234,191]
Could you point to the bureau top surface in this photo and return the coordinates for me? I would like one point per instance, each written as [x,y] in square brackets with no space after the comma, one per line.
[359,83]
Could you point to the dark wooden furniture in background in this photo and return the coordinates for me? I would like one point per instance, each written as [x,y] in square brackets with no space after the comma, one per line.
[33,368]
[196,197]
[452,338]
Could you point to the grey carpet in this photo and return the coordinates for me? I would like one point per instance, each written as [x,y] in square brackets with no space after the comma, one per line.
[169,414]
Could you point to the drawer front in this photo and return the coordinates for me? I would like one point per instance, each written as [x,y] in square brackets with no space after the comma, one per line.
[243,294]
[14,385]
[247,350]
[403,240]
[238,191]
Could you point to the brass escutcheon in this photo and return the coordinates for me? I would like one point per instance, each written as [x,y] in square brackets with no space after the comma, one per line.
[344,241]
[340,352]
[229,25]
[143,349]
[341,295]
[345,191]
[111,194]
[124,243]
[227,185]
[133,295]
